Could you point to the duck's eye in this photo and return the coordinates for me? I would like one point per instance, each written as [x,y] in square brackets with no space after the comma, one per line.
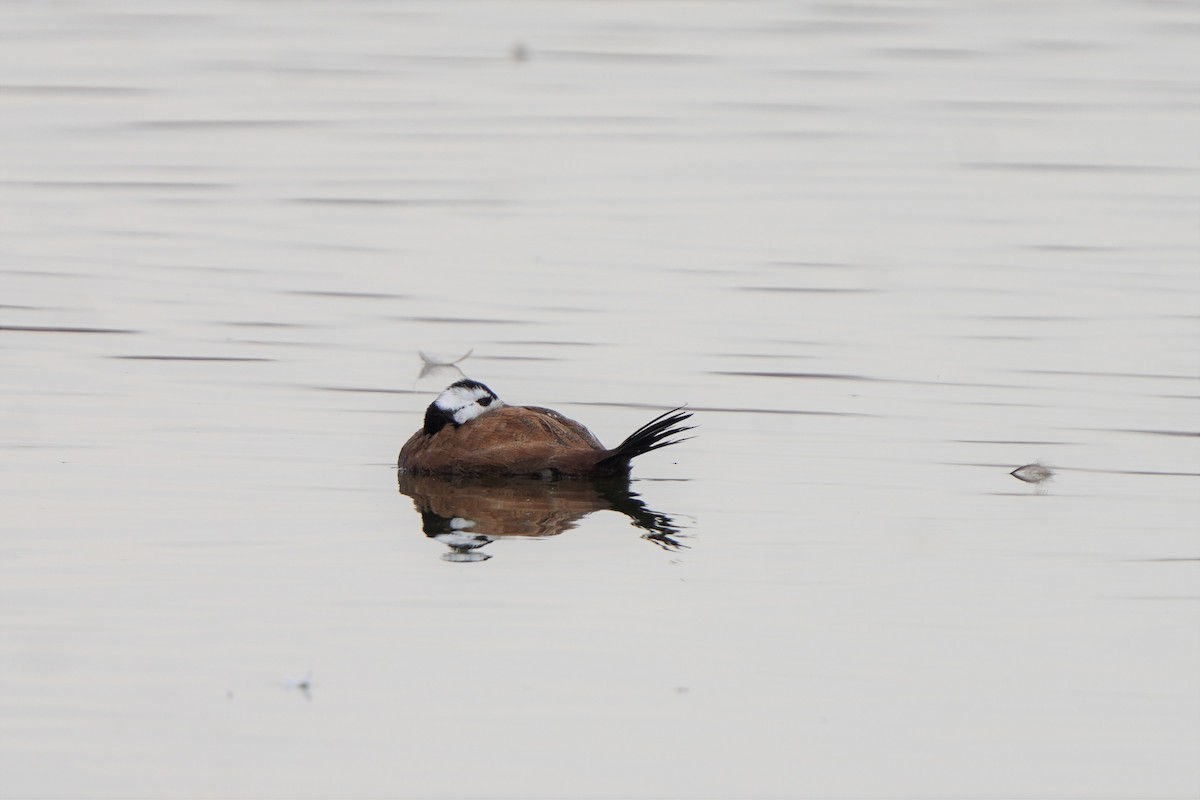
[485,401]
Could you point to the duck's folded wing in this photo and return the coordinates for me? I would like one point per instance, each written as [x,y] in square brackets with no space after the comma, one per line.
[513,440]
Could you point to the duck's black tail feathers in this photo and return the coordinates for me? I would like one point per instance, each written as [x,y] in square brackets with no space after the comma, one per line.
[654,434]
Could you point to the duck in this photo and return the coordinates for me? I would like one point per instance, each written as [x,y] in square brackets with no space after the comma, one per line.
[469,430]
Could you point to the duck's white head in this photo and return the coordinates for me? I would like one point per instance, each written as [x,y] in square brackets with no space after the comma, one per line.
[461,402]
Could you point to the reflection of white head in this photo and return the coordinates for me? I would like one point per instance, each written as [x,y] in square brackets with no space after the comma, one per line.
[465,400]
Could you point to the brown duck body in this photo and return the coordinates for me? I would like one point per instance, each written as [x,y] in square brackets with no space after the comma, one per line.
[469,431]
[512,440]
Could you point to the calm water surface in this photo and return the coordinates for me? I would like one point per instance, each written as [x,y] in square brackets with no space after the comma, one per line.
[886,252]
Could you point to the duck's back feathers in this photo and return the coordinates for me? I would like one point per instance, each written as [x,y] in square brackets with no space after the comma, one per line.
[513,440]
[528,440]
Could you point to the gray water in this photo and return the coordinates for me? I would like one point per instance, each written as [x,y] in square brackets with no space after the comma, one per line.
[886,252]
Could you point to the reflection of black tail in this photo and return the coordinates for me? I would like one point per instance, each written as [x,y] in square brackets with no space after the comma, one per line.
[651,436]
[659,527]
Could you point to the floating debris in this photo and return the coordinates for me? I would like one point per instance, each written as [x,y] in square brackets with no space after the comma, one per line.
[438,361]
[431,362]
[1033,473]
[303,685]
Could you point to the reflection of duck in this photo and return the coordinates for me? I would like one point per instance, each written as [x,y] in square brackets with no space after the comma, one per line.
[468,513]
[470,431]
